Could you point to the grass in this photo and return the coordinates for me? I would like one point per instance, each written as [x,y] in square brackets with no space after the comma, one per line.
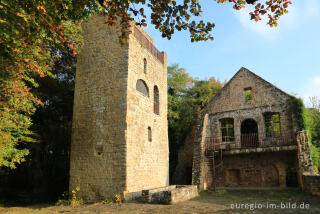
[220,201]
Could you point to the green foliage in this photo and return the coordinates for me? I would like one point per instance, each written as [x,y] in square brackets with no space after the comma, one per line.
[315,155]
[170,15]
[297,109]
[29,31]
[75,201]
[44,176]
[308,119]
[63,200]
[248,94]
[312,118]
[185,97]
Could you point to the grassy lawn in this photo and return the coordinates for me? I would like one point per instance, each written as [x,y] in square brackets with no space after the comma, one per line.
[222,201]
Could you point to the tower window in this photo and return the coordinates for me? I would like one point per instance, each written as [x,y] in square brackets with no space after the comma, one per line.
[156,100]
[248,93]
[142,87]
[227,129]
[149,134]
[145,65]
[272,124]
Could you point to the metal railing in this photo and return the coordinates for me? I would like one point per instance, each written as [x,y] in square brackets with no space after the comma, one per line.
[147,44]
[248,141]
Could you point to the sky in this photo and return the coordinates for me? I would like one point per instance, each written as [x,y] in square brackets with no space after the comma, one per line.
[287,56]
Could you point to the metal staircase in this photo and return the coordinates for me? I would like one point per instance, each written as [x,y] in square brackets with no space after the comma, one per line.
[213,152]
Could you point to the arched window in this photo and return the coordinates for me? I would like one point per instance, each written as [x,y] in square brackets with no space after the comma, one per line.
[142,87]
[145,65]
[156,100]
[149,134]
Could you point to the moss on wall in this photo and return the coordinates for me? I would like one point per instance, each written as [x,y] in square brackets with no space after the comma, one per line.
[297,109]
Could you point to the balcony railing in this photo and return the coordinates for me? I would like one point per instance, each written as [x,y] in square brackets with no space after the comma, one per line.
[248,141]
[147,44]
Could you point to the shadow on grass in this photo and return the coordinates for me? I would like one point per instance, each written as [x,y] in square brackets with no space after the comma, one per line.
[283,199]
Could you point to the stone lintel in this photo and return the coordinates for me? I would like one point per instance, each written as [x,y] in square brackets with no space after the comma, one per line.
[260,150]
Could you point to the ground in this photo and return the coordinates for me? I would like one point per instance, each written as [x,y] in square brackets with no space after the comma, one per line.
[221,201]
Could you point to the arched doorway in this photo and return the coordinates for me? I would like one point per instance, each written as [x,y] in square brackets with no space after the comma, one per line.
[249,133]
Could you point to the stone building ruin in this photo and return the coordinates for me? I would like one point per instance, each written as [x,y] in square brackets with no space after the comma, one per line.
[119,130]
[246,137]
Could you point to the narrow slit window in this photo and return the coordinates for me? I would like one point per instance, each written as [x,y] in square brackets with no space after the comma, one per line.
[145,65]
[149,134]
[248,93]
[156,100]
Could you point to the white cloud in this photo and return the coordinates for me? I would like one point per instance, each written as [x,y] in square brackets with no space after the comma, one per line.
[260,27]
[310,89]
[311,8]
[299,13]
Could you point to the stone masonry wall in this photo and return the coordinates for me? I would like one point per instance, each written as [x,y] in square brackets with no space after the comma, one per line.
[308,180]
[257,114]
[147,163]
[232,97]
[311,184]
[253,170]
[98,148]
[230,102]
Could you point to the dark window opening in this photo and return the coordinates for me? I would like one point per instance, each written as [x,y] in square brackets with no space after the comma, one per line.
[145,65]
[249,133]
[142,87]
[227,129]
[248,93]
[272,124]
[149,134]
[189,175]
[291,176]
[156,100]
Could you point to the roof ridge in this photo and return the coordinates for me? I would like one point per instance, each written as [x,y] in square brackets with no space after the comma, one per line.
[242,69]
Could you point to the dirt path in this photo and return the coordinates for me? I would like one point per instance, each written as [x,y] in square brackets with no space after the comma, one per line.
[230,201]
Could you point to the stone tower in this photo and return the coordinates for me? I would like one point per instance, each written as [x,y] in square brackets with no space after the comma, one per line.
[119,130]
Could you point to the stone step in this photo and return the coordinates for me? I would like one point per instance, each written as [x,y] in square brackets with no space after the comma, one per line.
[169,194]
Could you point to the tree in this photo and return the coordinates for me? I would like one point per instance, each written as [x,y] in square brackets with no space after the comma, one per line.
[44,176]
[30,29]
[312,116]
[169,15]
[185,97]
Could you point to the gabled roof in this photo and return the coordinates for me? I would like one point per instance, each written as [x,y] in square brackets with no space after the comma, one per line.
[243,70]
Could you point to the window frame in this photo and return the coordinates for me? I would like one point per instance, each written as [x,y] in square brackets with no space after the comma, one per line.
[227,128]
[156,100]
[145,85]
[248,94]
[271,123]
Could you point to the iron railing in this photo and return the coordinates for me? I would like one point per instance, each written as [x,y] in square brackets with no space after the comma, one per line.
[148,45]
[248,141]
